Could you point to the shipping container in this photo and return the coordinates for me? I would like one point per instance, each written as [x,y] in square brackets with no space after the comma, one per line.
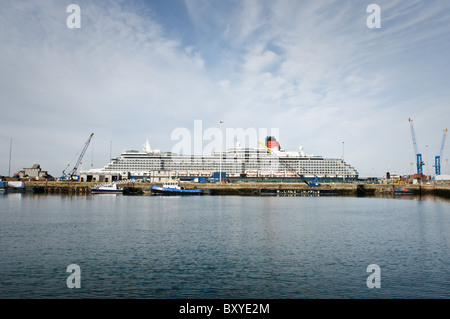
[219,176]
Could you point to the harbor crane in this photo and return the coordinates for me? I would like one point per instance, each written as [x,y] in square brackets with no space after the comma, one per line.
[72,175]
[437,159]
[307,182]
[419,162]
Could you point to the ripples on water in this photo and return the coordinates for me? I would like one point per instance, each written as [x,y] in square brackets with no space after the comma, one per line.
[223,247]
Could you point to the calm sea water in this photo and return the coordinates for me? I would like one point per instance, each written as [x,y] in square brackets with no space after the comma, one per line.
[223,247]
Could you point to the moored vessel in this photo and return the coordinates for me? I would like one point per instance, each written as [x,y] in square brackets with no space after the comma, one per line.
[107,189]
[403,191]
[267,163]
[171,187]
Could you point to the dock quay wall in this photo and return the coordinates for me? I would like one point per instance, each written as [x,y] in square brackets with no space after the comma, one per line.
[249,189]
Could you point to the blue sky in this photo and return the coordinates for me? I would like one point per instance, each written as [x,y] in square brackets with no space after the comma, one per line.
[137,69]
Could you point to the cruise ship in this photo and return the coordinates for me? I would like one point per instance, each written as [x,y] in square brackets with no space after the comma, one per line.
[266,163]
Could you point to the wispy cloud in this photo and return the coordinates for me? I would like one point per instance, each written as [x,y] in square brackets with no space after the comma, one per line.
[310,68]
[118,76]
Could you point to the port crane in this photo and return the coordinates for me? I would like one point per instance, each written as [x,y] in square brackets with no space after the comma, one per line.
[313,183]
[437,159]
[419,162]
[73,173]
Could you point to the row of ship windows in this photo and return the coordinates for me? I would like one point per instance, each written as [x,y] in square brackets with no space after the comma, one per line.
[188,163]
[237,170]
[231,159]
[322,163]
[225,166]
[209,167]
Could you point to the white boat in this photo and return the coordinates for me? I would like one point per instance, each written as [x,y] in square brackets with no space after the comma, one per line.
[14,184]
[107,189]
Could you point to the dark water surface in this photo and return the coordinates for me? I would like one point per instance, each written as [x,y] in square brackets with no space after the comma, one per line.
[223,247]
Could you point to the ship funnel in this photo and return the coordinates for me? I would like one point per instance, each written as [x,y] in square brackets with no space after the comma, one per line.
[300,150]
[272,143]
[147,146]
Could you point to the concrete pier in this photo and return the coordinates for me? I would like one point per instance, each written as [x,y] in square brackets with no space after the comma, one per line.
[251,189]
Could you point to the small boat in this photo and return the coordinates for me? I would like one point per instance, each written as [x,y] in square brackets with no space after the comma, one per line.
[173,188]
[107,189]
[402,191]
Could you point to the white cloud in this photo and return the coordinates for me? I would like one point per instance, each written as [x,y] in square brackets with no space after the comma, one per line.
[312,69]
[117,76]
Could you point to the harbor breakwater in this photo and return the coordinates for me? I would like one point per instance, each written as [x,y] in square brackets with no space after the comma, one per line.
[251,189]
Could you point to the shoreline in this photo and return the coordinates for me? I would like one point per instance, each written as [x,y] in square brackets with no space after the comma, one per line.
[251,189]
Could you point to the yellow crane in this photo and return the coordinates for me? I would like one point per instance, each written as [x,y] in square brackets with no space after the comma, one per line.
[309,183]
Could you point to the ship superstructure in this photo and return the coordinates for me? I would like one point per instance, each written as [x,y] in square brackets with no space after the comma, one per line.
[237,162]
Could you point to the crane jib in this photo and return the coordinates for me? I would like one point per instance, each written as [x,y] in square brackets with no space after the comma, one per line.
[75,168]
[309,183]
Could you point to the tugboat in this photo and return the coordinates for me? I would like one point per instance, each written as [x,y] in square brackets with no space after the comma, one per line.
[171,187]
[107,189]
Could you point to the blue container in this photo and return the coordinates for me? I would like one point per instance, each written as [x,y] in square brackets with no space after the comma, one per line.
[217,175]
[2,185]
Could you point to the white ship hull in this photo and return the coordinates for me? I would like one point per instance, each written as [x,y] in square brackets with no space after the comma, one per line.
[238,161]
